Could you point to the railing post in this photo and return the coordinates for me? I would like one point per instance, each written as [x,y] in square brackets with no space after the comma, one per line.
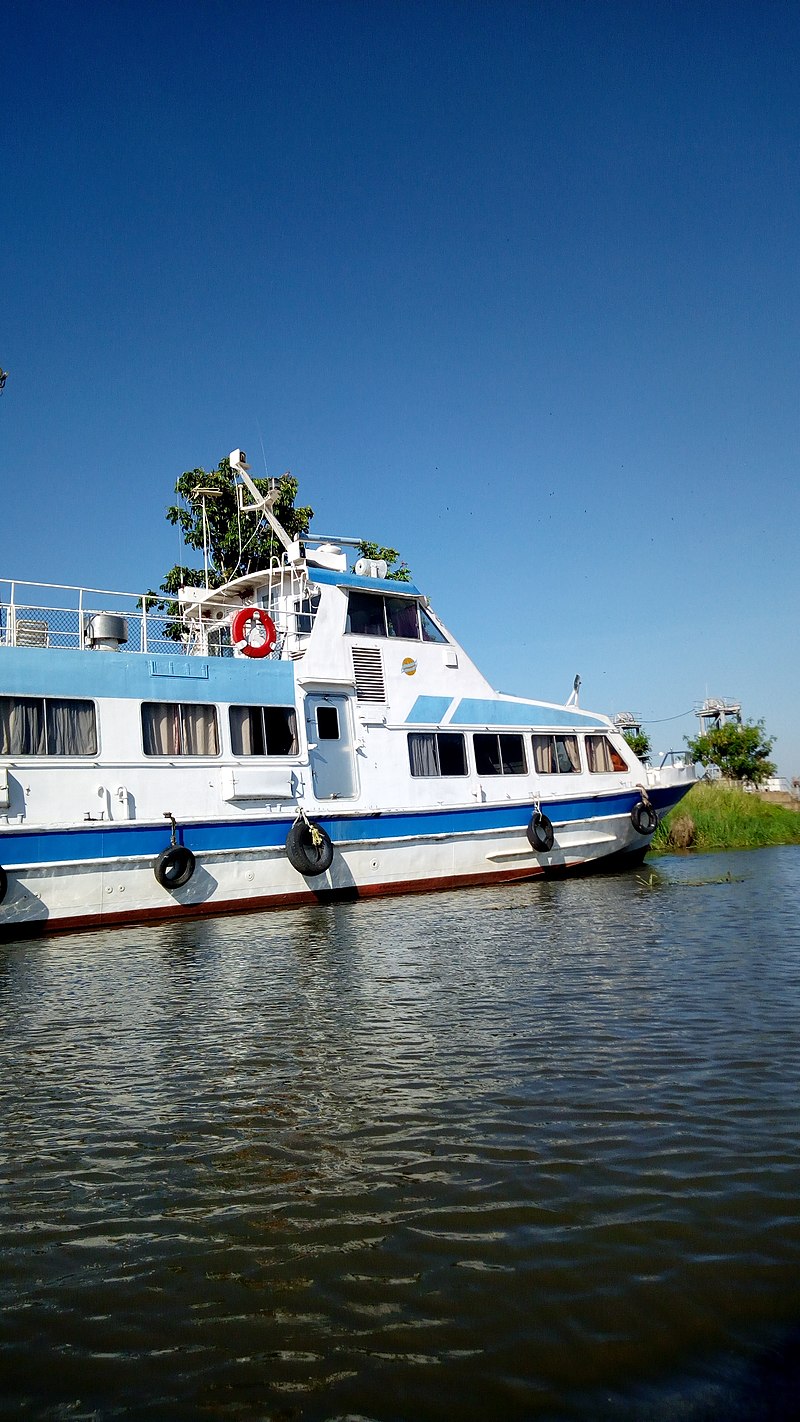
[144,624]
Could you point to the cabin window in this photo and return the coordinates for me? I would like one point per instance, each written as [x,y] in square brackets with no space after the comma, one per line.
[263,730]
[499,754]
[177,728]
[327,723]
[305,610]
[365,615]
[371,615]
[401,617]
[35,725]
[430,632]
[556,755]
[603,758]
[437,753]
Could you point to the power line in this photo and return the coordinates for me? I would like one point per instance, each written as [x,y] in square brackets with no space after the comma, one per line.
[660,720]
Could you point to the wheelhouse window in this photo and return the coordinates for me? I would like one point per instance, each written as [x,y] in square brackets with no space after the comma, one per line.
[437,753]
[37,725]
[501,754]
[430,632]
[603,758]
[179,728]
[556,755]
[263,730]
[373,615]
[366,615]
[401,617]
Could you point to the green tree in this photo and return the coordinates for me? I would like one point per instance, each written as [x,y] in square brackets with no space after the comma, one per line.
[238,543]
[639,743]
[739,751]
[401,574]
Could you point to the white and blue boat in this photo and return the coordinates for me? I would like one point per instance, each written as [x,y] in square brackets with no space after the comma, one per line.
[316,733]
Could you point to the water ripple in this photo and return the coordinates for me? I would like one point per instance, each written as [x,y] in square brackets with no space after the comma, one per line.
[532,1153]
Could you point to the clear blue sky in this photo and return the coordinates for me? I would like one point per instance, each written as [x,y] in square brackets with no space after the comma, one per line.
[513,287]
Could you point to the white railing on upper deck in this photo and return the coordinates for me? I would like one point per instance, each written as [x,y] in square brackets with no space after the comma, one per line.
[60,616]
[57,615]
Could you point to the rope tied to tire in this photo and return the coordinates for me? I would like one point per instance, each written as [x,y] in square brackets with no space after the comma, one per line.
[644,817]
[540,832]
[317,835]
[308,846]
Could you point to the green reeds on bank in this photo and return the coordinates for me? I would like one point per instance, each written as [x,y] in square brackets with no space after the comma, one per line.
[717,815]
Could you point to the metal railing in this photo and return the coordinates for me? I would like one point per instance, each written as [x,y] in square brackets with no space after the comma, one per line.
[58,615]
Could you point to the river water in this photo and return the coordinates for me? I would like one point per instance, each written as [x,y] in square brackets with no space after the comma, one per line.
[530,1152]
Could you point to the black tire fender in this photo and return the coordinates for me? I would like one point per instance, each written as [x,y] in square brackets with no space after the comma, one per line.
[308,848]
[643,817]
[540,832]
[3,883]
[174,866]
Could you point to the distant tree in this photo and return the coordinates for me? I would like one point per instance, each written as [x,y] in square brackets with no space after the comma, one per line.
[401,574]
[238,543]
[639,743]
[738,751]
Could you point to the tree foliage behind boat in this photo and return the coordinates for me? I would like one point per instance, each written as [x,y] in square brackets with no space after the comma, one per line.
[236,542]
[739,751]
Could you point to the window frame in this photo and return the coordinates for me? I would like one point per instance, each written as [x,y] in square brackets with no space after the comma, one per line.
[427,630]
[182,707]
[622,769]
[45,706]
[499,737]
[416,738]
[262,710]
[553,737]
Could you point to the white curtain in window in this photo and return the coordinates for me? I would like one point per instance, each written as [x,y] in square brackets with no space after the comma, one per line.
[543,754]
[243,730]
[161,728]
[22,726]
[199,726]
[422,754]
[71,728]
[567,754]
[598,752]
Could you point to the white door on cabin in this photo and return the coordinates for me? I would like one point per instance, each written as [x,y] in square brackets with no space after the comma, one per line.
[330,747]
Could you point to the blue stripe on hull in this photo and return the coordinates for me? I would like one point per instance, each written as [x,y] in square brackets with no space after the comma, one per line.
[126,840]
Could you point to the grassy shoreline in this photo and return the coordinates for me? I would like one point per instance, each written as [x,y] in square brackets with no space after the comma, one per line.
[715,815]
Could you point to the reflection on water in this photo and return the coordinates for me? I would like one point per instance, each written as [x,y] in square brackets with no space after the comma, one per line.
[525,1153]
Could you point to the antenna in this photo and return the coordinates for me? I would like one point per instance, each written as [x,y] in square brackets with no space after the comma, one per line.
[262,503]
[203,492]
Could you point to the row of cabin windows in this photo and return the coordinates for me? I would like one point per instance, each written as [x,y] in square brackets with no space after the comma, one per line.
[35,725]
[501,753]
[32,725]
[175,728]
[374,615]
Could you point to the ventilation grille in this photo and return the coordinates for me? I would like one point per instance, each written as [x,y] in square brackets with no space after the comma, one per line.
[368,670]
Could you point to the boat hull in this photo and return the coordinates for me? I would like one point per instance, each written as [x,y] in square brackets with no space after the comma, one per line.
[71,878]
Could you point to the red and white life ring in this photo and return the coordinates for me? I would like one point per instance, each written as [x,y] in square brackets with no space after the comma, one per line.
[245,623]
